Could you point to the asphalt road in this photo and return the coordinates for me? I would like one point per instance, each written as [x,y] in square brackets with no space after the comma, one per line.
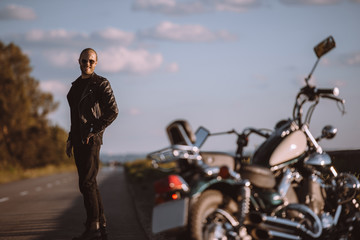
[51,208]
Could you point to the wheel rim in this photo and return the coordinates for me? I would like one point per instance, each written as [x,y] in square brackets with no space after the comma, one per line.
[215,226]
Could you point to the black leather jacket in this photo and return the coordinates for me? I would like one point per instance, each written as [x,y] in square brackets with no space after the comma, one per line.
[97,108]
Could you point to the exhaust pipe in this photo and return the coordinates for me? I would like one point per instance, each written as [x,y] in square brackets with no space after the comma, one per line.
[275,225]
[262,234]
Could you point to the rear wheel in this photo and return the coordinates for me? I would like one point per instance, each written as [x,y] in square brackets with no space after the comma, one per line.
[206,219]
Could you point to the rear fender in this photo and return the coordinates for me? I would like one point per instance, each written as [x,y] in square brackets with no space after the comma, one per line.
[226,186]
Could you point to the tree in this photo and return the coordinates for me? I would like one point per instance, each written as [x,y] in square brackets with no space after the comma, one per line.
[26,137]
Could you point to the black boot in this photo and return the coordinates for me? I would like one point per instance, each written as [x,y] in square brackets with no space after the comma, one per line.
[92,232]
[103,231]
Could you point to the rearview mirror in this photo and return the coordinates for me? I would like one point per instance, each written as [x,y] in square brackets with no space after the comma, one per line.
[324,47]
[328,132]
[201,135]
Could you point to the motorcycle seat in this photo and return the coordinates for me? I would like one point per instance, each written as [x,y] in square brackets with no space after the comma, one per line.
[218,159]
[258,176]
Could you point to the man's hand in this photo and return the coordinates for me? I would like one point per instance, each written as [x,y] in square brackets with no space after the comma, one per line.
[90,135]
[68,148]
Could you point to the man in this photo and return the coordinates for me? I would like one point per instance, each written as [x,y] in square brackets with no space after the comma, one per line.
[92,109]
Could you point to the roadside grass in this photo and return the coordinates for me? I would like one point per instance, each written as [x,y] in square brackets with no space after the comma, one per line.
[11,173]
[141,171]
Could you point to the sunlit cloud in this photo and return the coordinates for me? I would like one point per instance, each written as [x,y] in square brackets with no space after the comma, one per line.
[62,37]
[173,67]
[175,7]
[353,60]
[121,59]
[310,2]
[54,86]
[171,7]
[56,37]
[134,111]
[185,33]
[114,34]
[16,12]
[234,5]
[61,58]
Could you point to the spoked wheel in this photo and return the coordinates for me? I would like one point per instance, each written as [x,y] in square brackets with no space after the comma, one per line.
[207,219]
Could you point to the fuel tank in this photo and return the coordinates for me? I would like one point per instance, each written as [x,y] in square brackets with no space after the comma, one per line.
[291,147]
[286,143]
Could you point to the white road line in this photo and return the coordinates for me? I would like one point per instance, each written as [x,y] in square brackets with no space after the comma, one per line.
[49,185]
[38,189]
[4,199]
[24,193]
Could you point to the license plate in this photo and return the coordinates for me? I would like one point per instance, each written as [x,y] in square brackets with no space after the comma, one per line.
[170,215]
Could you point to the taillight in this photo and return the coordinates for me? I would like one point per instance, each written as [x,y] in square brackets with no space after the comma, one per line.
[170,183]
[175,196]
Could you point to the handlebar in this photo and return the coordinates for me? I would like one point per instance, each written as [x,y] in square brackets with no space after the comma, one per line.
[175,152]
[332,91]
[313,94]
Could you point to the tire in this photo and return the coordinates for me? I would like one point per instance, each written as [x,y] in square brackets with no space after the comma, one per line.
[204,220]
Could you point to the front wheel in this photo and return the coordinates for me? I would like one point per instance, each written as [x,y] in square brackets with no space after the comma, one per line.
[206,220]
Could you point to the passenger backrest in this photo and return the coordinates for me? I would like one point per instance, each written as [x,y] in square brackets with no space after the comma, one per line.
[180,132]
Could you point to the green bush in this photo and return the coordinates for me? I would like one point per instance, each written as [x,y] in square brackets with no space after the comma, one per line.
[141,170]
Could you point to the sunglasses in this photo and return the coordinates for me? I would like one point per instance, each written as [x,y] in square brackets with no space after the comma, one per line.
[83,61]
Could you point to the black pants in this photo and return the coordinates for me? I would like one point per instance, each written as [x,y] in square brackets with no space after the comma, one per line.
[87,163]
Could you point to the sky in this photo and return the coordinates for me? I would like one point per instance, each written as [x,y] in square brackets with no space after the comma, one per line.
[221,64]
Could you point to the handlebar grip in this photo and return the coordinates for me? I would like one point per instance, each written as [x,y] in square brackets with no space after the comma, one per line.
[333,91]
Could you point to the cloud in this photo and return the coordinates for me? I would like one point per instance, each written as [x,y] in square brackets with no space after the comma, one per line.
[310,2]
[16,12]
[234,5]
[121,59]
[115,35]
[62,58]
[134,111]
[173,67]
[65,38]
[185,33]
[54,86]
[37,35]
[57,38]
[173,7]
[169,6]
[112,59]
[352,59]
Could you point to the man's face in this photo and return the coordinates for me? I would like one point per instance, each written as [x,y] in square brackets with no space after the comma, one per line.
[87,63]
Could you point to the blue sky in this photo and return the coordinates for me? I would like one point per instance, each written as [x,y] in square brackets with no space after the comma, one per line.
[222,64]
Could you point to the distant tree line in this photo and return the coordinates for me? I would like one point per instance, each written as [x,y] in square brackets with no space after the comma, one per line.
[27,138]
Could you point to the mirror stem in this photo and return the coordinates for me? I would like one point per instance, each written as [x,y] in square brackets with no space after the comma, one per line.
[312,71]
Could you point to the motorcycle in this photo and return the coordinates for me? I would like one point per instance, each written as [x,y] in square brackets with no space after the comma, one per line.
[294,193]
[202,197]
[319,202]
